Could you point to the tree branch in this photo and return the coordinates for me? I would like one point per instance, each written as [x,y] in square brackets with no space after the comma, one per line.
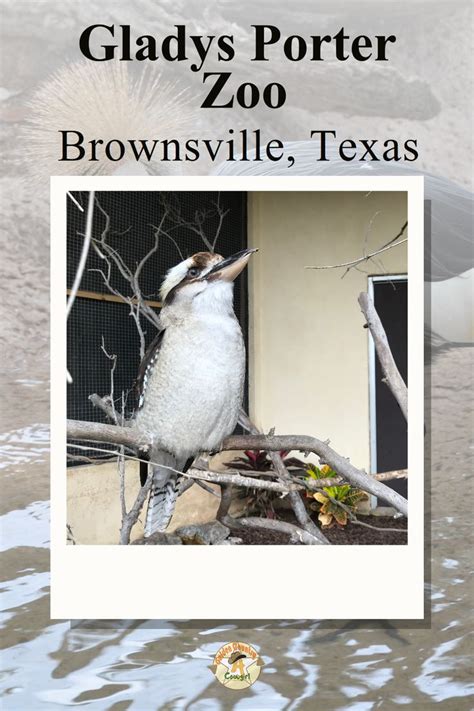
[364,258]
[392,375]
[129,519]
[354,263]
[295,533]
[84,254]
[128,436]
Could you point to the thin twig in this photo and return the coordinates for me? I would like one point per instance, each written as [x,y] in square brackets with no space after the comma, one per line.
[402,230]
[112,357]
[360,259]
[358,522]
[121,471]
[235,477]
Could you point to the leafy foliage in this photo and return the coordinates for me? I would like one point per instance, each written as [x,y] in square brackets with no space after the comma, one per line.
[260,500]
[330,498]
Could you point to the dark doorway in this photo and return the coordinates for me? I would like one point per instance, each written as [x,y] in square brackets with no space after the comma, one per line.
[389,428]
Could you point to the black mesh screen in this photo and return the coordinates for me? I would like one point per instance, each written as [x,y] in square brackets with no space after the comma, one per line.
[129,218]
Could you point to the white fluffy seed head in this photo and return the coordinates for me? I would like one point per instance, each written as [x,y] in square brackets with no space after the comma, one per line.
[106,102]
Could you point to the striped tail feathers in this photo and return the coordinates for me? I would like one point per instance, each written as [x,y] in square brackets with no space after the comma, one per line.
[163,493]
[161,505]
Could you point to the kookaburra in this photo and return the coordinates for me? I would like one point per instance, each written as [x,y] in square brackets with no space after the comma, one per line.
[190,382]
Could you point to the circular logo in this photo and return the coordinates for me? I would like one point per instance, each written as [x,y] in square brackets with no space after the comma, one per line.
[236,665]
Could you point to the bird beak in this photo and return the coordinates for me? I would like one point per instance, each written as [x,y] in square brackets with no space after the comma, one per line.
[231,267]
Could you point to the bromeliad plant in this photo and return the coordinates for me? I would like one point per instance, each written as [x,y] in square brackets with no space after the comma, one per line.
[330,498]
[260,501]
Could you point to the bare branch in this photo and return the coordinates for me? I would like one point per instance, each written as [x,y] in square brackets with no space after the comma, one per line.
[301,513]
[121,471]
[339,464]
[129,520]
[299,509]
[394,239]
[383,529]
[136,302]
[112,357]
[198,225]
[392,375]
[364,258]
[317,484]
[235,477]
[98,432]
[221,214]
[84,254]
[103,404]
[296,533]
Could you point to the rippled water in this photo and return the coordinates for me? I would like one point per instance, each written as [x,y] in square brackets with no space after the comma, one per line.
[164,665]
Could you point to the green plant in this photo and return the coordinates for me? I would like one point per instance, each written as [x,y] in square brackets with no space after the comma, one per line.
[333,502]
[260,501]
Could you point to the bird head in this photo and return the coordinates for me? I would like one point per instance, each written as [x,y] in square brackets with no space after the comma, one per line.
[204,280]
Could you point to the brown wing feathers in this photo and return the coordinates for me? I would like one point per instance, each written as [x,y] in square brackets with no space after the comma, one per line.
[146,365]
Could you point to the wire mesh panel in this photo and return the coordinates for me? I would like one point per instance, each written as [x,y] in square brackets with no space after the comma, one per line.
[100,323]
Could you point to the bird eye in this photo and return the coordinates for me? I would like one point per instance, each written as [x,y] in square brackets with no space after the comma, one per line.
[193,272]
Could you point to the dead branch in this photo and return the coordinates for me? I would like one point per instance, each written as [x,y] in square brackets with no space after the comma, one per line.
[364,258]
[70,535]
[392,375]
[200,219]
[113,358]
[317,484]
[400,233]
[103,403]
[98,432]
[121,471]
[354,263]
[357,522]
[111,256]
[130,518]
[84,254]
[297,503]
[296,534]
[82,260]
[235,477]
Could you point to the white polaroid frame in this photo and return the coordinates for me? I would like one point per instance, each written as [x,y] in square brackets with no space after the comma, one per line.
[281,582]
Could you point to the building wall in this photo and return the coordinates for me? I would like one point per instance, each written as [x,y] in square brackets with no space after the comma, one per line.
[93,502]
[308,350]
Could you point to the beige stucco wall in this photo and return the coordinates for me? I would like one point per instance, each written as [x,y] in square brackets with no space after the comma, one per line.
[308,351]
[93,502]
